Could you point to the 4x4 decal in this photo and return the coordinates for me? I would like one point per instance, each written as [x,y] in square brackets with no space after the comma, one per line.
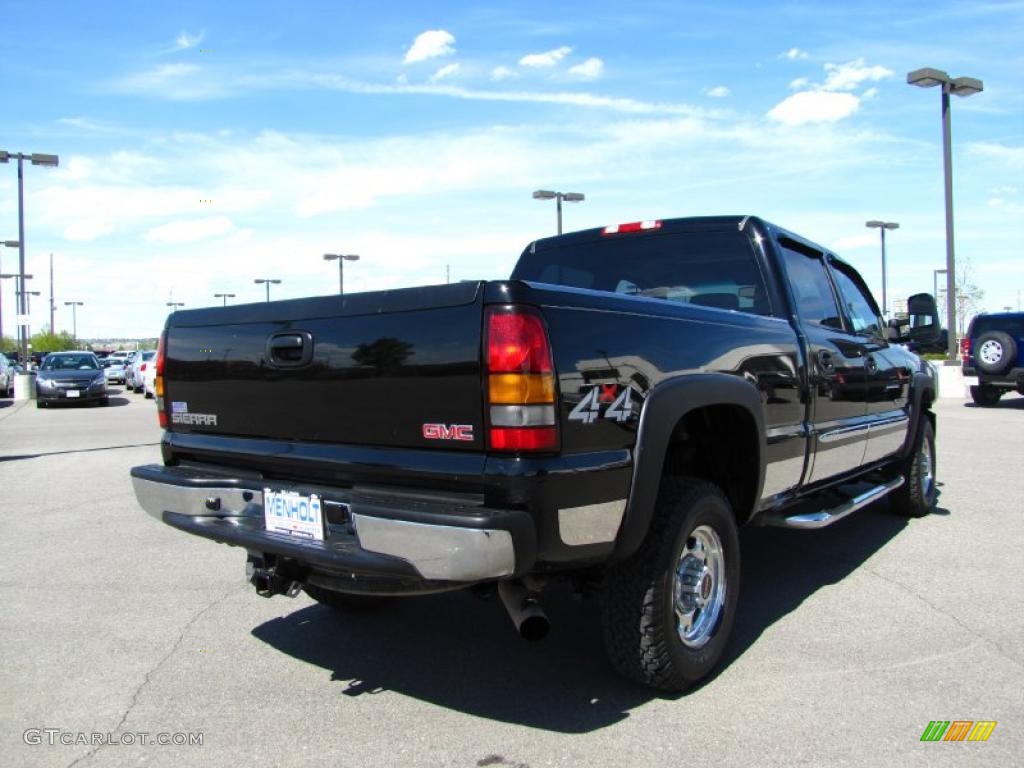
[618,405]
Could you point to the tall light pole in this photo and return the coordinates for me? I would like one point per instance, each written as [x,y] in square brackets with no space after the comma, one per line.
[224,296]
[569,197]
[341,267]
[19,284]
[267,281]
[882,226]
[928,77]
[74,316]
[35,158]
[7,244]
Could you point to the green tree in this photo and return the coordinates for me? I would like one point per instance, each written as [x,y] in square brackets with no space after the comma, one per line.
[7,344]
[53,342]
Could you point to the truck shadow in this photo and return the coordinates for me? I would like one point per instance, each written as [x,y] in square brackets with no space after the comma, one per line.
[462,653]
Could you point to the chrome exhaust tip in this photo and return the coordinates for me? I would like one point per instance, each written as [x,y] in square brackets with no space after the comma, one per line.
[524,610]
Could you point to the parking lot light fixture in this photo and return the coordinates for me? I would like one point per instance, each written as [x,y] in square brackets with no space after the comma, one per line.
[342,258]
[36,158]
[558,197]
[882,226]
[267,281]
[175,304]
[224,296]
[74,316]
[929,77]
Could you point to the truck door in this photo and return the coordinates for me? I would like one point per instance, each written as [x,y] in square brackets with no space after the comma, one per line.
[888,379]
[836,366]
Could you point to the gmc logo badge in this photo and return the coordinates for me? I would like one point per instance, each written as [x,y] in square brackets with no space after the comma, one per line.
[444,432]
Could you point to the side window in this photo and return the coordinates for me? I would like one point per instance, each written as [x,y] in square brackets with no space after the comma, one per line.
[811,288]
[856,302]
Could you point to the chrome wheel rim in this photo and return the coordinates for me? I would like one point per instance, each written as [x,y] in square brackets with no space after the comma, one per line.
[698,589]
[991,352]
[926,468]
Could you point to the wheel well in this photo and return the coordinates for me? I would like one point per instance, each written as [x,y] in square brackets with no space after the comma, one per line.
[719,443]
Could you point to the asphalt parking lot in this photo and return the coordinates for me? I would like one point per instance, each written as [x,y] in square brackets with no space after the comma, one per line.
[849,641]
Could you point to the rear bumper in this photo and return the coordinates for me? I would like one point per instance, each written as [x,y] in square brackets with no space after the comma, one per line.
[374,542]
[1010,379]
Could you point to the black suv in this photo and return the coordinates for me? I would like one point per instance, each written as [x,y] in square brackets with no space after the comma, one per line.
[994,352]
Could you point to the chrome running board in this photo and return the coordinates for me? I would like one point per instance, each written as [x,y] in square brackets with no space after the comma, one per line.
[828,516]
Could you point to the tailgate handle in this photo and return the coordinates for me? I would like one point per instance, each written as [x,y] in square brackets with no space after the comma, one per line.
[290,349]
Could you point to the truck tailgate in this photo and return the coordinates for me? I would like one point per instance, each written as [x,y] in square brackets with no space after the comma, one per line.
[381,369]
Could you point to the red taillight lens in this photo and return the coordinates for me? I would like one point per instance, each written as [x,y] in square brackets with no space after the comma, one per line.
[158,381]
[520,381]
[517,343]
[965,350]
[524,439]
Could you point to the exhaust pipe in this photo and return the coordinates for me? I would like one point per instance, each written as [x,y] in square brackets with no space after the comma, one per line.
[524,610]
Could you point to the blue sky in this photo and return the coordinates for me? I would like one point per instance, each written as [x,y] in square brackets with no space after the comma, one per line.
[207,144]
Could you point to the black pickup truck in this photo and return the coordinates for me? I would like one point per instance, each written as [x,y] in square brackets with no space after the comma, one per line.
[610,415]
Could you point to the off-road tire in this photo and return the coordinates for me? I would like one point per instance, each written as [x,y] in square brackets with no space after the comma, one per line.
[1000,342]
[638,620]
[917,496]
[985,395]
[343,601]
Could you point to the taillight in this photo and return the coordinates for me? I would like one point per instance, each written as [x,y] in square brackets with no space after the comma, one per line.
[520,381]
[158,381]
[633,226]
[965,350]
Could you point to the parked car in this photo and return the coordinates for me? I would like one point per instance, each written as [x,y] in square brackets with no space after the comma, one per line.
[149,378]
[137,383]
[71,377]
[113,367]
[608,416]
[6,377]
[994,352]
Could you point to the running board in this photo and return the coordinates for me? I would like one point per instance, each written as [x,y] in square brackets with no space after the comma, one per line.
[828,516]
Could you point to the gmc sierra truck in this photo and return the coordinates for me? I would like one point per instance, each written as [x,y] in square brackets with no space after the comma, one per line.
[609,415]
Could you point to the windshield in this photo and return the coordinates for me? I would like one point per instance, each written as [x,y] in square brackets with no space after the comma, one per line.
[70,363]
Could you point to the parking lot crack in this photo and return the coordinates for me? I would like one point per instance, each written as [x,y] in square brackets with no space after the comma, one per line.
[948,614]
[156,668]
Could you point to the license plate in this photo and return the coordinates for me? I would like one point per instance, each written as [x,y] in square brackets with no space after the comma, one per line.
[294,514]
[73,393]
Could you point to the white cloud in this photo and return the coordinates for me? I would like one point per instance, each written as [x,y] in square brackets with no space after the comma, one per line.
[185,40]
[189,231]
[830,101]
[178,82]
[446,71]
[430,45]
[83,231]
[846,77]
[718,92]
[591,69]
[546,59]
[502,73]
[793,54]
[814,107]
[1011,157]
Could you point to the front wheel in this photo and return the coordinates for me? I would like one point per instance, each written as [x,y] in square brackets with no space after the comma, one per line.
[919,493]
[668,610]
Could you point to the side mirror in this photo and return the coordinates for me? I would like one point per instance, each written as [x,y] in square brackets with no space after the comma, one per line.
[925,329]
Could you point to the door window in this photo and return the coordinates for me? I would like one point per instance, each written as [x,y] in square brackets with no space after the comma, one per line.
[857,303]
[813,293]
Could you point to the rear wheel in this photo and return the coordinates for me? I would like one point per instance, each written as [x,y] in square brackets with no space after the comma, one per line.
[919,493]
[986,395]
[668,610]
[343,601]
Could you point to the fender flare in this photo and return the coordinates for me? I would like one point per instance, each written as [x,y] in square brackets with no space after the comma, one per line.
[920,383]
[663,408]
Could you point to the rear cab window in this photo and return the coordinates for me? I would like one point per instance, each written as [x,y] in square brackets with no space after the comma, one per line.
[708,268]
